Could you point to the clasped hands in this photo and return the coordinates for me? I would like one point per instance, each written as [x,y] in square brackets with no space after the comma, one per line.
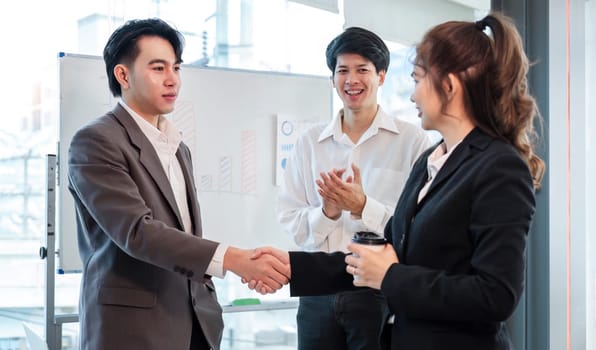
[271,270]
[339,195]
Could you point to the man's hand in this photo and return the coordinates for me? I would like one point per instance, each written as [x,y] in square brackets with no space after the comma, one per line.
[342,195]
[331,209]
[268,268]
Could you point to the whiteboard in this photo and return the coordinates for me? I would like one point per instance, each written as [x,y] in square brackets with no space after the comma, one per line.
[228,118]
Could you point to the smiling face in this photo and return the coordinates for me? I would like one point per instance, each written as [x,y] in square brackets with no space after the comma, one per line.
[426,99]
[356,81]
[151,84]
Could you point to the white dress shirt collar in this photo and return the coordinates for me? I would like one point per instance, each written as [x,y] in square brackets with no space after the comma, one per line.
[381,121]
[165,128]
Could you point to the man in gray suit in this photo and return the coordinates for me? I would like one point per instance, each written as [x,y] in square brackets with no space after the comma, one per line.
[147,270]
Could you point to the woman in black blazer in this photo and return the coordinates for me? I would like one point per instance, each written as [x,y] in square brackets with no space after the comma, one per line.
[453,270]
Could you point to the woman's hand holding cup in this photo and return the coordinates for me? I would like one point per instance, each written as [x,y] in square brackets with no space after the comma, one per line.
[370,259]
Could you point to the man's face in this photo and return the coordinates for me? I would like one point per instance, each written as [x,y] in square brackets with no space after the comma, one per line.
[357,81]
[150,86]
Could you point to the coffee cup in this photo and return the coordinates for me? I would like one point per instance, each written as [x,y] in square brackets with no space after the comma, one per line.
[369,240]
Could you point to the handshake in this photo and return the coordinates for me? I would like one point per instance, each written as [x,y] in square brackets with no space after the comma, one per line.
[265,269]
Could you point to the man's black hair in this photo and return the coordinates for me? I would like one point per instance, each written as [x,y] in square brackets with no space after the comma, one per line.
[356,40]
[122,45]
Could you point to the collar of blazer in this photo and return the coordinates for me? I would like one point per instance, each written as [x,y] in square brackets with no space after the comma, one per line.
[475,141]
[148,157]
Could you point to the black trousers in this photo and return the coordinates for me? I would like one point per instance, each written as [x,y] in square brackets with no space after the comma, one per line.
[198,340]
[345,321]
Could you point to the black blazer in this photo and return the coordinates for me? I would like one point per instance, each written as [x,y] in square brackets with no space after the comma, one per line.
[461,250]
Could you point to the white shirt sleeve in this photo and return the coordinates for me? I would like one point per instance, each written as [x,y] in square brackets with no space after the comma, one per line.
[215,267]
[307,224]
[375,215]
[299,209]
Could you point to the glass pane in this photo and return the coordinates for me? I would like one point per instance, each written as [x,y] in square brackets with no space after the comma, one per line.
[590,48]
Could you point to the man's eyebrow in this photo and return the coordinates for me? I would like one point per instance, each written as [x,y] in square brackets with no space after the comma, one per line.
[157,60]
[162,61]
[358,66]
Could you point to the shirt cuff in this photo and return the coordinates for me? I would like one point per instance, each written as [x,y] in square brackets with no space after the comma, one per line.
[373,214]
[319,219]
[215,267]
[321,225]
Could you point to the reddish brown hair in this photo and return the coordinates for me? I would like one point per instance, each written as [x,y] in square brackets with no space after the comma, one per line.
[488,58]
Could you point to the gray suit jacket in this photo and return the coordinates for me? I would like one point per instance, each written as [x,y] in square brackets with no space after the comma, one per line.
[143,276]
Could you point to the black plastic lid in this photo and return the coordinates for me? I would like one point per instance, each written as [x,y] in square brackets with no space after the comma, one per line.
[370,238]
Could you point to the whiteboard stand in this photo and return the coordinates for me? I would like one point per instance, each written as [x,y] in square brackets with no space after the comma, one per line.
[53,322]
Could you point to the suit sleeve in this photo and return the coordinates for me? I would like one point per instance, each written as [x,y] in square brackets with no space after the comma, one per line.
[502,203]
[319,273]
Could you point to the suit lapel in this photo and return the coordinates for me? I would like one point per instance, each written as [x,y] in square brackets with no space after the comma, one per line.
[148,157]
[409,200]
[193,202]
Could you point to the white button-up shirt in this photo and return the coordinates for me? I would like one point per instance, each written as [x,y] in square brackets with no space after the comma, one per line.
[385,154]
